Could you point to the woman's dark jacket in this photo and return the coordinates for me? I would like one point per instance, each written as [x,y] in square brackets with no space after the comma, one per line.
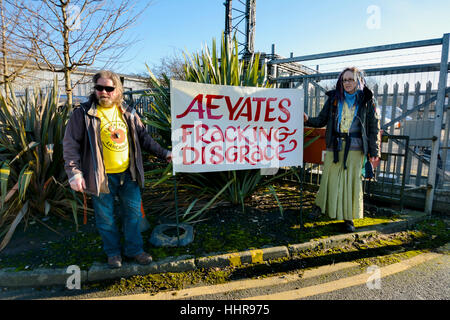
[366,114]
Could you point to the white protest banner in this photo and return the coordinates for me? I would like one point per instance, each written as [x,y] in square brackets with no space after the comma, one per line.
[221,128]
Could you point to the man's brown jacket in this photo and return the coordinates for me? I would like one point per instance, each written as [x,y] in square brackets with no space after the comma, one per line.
[83,150]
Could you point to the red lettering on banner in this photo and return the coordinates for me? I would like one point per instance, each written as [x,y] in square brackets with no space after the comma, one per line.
[277,153]
[284,110]
[210,106]
[266,153]
[241,109]
[215,132]
[282,147]
[284,135]
[259,152]
[241,135]
[269,109]
[263,131]
[199,135]
[217,154]
[243,155]
[196,155]
[185,133]
[250,135]
[226,134]
[227,154]
[199,109]
[258,107]
[231,109]
[248,106]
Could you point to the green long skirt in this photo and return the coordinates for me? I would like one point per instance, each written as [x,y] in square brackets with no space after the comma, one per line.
[340,193]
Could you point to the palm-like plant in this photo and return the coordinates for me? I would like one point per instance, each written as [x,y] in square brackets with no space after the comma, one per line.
[226,69]
[32,167]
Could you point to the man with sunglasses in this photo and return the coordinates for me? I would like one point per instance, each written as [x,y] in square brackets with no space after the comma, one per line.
[102,153]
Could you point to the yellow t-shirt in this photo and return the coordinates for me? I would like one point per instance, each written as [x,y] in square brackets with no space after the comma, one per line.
[347,117]
[114,137]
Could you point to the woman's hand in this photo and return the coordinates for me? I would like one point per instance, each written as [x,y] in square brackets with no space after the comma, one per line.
[305,117]
[375,161]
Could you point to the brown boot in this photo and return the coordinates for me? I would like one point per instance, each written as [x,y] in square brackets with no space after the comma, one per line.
[143,258]
[115,262]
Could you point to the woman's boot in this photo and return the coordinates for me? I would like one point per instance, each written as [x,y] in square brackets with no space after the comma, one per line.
[349,226]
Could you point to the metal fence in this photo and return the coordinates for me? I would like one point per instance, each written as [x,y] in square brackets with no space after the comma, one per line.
[141,101]
[415,109]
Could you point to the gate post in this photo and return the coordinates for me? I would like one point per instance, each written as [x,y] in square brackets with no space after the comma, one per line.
[435,144]
[306,97]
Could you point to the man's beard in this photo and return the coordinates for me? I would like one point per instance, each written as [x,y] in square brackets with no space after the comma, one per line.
[107,102]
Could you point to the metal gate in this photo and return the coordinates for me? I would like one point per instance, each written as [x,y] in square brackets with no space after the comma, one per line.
[390,175]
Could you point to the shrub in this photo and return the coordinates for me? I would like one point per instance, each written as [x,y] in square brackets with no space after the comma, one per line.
[33,183]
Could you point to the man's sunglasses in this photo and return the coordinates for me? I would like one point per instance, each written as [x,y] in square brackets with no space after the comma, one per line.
[106,88]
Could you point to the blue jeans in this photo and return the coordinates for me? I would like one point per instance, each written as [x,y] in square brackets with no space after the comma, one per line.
[129,193]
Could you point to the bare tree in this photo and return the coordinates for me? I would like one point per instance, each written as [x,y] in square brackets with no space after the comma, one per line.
[14,60]
[171,66]
[64,35]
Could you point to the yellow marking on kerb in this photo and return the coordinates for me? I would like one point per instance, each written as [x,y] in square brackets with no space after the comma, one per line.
[235,259]
[257,256]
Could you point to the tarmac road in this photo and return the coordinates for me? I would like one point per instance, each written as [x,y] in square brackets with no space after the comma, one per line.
[427,281]
[424,277]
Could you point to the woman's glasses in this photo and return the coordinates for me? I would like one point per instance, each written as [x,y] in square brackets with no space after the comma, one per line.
[348,80]
[100,88]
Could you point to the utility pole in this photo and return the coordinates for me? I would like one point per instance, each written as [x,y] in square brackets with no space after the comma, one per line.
[250,10]
[228,20]
[247,14]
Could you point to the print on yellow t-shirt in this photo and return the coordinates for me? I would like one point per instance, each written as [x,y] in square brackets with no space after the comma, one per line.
[113,133]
